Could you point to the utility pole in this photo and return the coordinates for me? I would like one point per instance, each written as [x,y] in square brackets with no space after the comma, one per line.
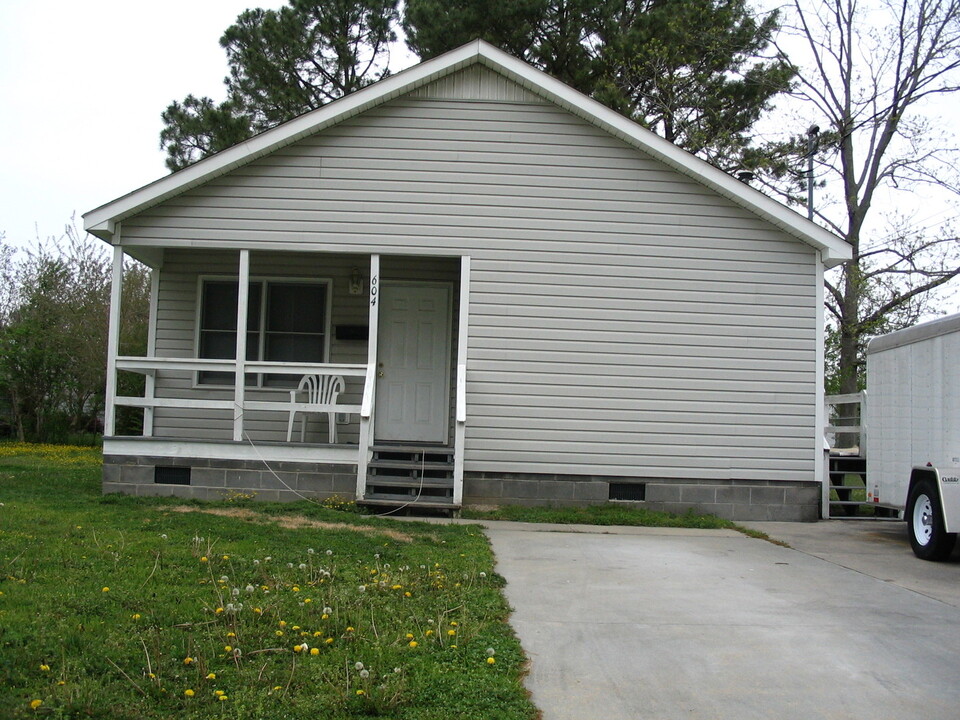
[812,132]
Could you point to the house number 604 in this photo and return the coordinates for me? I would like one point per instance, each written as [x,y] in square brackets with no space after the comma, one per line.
[373,290]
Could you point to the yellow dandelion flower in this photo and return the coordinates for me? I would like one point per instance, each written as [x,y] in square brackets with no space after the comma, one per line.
[328,641]
[258,611]
[279,633]
[451,633]
[491,661]
[105,589]
[350,629]
[45,668]
[307,600]
[203,559]
[34,704]
[296,588]
[324,617]
[218,693]
[223,697]
[413,643]
[318,634]
[407,594]
[187,660]
[360,692]
[296,627]
[277,687]
[226,557]
[188,692]
[227,648]
[429,633]
[135,616]
[218,611]
[231,634]
[211,676]
[283,623]
[454,623]
[61,682]
[314,651]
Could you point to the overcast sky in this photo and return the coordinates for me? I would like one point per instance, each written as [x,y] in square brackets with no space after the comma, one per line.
[83,84]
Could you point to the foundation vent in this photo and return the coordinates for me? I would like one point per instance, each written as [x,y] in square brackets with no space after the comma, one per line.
[628,491]
[166,475]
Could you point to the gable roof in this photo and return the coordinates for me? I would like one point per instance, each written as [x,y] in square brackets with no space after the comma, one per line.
[102,221]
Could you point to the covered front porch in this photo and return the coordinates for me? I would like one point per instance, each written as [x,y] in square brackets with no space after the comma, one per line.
[234,333]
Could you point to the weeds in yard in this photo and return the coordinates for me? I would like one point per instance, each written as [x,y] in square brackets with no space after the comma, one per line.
[130,608]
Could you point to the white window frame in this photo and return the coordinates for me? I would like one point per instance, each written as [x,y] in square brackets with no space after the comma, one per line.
[264,280]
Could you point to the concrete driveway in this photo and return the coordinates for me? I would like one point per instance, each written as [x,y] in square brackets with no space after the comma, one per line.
[655,623]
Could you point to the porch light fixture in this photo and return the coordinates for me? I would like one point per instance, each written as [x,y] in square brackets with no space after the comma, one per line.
[356,282]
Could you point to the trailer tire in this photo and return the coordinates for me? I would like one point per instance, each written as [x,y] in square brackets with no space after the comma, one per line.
[928,536]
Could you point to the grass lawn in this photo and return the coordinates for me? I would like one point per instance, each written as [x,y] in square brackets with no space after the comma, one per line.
[607,514]
[118,607]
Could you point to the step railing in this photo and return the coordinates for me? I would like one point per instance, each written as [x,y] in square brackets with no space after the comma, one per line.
[846,439]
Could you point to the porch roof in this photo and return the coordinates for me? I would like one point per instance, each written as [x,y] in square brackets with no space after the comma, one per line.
[103,220]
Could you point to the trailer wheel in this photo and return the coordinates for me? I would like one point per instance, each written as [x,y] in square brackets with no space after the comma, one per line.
[928,536]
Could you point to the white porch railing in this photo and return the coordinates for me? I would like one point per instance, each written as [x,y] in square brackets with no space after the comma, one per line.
[150,366]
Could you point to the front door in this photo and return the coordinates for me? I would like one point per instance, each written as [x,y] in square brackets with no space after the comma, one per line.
[413,363]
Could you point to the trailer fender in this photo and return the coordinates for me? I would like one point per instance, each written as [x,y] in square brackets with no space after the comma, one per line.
[925,513]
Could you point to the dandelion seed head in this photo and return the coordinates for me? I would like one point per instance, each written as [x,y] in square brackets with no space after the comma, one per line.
[329,552]
[310,551]
[364,674]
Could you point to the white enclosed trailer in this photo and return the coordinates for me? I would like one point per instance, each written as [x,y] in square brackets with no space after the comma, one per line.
[913,417]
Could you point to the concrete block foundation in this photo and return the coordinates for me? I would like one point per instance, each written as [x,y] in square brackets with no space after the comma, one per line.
[729,499]
[289,481]
[221,480]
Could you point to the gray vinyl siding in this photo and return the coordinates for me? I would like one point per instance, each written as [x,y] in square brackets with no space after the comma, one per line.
[623,319]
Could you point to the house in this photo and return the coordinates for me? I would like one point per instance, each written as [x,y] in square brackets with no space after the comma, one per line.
[529,298]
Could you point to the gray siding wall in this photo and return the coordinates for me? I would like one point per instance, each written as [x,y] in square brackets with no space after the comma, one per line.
[623,320]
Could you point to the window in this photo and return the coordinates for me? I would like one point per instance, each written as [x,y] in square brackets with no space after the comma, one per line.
[286,322]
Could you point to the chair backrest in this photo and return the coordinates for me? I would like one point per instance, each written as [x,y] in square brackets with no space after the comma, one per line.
[321,389]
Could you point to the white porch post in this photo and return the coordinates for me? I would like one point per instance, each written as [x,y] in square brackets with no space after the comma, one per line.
[113,342]
[820,460]
[463,334]
[370,382]
[243,297]
[151,379]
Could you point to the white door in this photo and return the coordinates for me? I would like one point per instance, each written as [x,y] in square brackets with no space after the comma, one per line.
[413,364]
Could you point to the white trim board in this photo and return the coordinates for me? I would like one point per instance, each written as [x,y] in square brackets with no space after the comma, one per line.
[103,220]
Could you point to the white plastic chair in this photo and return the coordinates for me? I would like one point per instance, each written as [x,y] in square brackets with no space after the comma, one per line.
[320,390]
